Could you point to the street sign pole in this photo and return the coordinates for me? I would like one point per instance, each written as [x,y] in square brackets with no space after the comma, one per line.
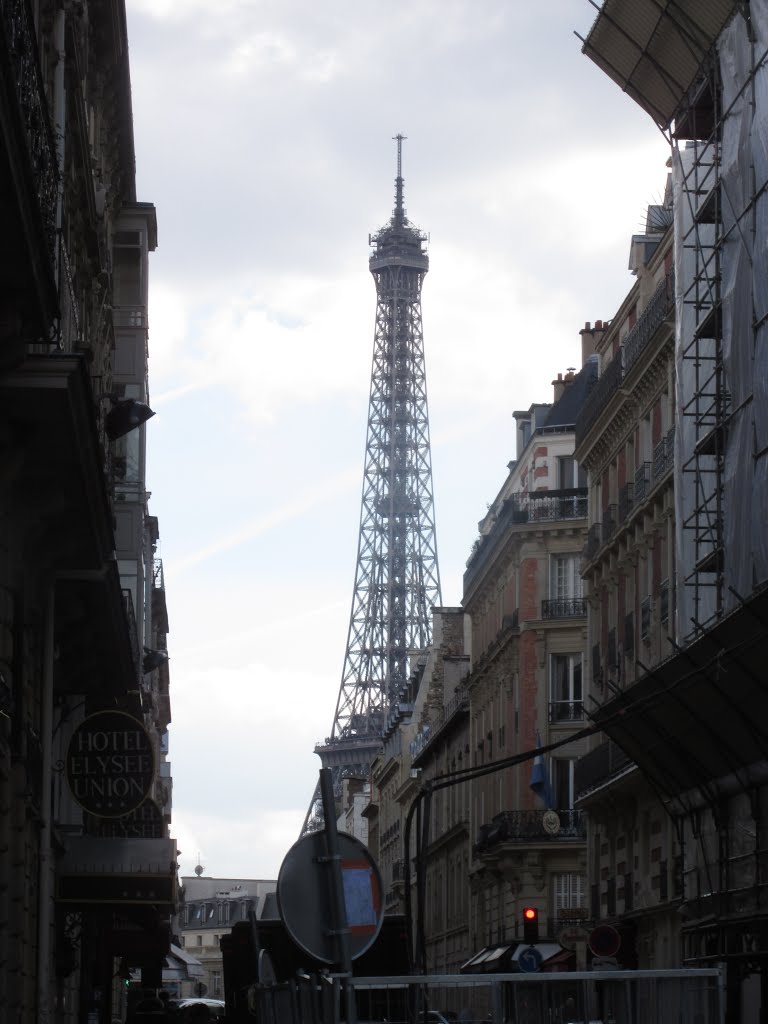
[336,885]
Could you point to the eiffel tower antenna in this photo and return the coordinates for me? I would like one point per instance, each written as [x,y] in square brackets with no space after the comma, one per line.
[397,580]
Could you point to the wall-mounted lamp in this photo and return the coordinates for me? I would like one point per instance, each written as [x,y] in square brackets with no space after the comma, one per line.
[125,415]
[153,659]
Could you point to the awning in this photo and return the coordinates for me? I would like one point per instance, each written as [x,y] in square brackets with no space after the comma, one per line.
[560,961]
[654,49]
[702,715]
[488,960]
[118,871]
[545,950]
[181,966]
[500,958]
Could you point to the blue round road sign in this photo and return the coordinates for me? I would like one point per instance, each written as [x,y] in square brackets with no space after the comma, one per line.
[530,960]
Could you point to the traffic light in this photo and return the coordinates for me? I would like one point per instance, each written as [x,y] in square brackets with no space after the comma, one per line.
[530,925]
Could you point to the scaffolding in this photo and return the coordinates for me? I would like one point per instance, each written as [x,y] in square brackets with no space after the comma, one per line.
[720,175]
[700,72]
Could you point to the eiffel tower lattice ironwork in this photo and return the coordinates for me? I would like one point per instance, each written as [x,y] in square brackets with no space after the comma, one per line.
[397,580]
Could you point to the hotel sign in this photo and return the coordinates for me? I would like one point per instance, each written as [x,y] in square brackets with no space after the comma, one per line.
[110,764]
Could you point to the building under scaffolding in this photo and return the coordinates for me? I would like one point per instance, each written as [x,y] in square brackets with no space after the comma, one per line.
[696,726]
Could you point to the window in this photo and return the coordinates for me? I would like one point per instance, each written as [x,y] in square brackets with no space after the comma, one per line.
[199,940]
[565,577]
[127,268]
[568,893]
[569,473]
[565,688]
[563,771]
[216,983]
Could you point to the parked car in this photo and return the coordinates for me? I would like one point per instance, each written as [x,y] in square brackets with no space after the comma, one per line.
[196,1008]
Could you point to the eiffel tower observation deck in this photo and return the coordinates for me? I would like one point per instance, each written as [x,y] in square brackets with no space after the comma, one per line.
[397,580]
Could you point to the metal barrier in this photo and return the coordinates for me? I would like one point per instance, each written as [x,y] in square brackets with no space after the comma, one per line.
[694,996]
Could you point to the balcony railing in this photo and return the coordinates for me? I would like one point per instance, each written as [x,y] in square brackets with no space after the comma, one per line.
[534,507]
[551,505]
[626,501]
[610,519]
[658,310]
[566,711]
[599,765]
[661,305]
[664,601]
[528,827]
[563,608]
[592,546]
[645,618]
[133,632]
[613,657]
[597,664]
[642,482]
[629,633]
[24,65]
[664,455]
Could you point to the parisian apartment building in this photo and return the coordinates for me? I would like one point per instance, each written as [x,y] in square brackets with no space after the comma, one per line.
[504,675]
[88,880]
[208,909]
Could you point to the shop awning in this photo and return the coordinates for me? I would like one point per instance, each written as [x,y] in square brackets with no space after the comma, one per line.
[488,960]
[181,966]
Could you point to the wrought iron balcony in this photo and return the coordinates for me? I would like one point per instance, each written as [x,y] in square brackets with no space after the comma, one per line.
[613,657]
[593,544]
[645,618]
[529,827]
[606,386]
[664,455]
[642,482]
[659,309]
[133,632]
[566,711]
[664,601]
[563,607]
[24,67]
[519,509]
[610,519]
[597,664]
[598,766]
[626,501]
[551,505]
[629,633]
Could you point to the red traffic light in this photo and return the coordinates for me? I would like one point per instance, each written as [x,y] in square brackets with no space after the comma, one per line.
[530,925]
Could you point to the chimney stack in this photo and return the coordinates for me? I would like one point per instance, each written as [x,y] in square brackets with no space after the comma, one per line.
[590,337]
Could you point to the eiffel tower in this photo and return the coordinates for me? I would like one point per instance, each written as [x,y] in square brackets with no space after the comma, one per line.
[397,580]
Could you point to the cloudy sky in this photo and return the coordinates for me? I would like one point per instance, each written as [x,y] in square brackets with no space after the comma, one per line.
[264,138]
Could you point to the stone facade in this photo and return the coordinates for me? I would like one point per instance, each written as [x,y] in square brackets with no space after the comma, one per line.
[85,895]
[625,440]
